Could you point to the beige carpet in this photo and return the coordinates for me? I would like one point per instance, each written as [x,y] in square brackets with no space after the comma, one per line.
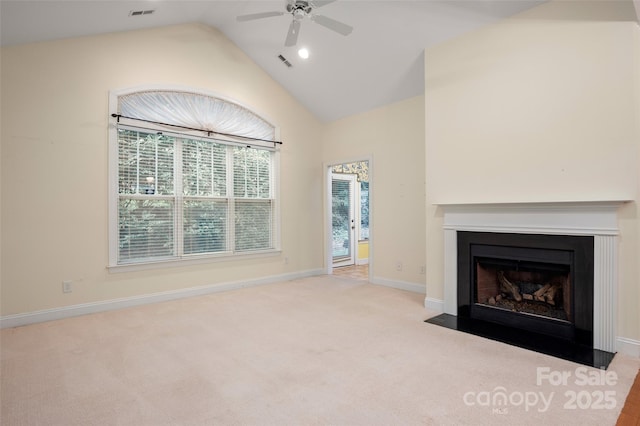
[318,351]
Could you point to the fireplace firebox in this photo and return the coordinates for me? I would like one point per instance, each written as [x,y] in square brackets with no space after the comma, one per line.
[531,282]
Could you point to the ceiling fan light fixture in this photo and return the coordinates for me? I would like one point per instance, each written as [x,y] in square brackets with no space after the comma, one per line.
[303,53]
[300,10]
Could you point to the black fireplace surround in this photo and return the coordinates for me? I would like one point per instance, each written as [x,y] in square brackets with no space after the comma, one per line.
[543,255]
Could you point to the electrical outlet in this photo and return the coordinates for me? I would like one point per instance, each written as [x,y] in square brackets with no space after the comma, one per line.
[286,260]
[67,287]
[423,270]
[398,266]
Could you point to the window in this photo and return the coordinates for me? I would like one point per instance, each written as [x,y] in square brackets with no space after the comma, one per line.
[364,211]
[181,195]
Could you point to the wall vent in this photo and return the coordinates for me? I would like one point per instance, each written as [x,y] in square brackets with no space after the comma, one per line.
[141,12]
[285,61]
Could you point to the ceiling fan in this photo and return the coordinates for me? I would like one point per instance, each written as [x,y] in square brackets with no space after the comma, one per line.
[301,9]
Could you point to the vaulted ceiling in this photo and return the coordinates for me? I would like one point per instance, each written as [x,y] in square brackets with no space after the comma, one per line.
[380,62]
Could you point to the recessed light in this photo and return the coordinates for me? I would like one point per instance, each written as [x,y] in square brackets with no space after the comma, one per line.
[303,53]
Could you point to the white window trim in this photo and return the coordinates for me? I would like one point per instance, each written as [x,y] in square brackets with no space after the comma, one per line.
[113,265]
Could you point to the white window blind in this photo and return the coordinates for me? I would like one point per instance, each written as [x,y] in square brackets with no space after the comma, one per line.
[253,204]
[146,205]
[181,196]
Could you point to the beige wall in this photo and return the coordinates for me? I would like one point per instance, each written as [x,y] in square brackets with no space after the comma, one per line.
[393,137]
[55,165]
[550,104]
[537,108]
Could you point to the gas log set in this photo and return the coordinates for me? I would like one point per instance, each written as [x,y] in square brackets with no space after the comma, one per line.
[540,298]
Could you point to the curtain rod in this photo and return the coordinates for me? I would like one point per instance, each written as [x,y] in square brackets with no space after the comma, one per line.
[208,132]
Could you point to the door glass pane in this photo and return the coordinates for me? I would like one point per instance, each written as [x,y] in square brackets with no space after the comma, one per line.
[341,220]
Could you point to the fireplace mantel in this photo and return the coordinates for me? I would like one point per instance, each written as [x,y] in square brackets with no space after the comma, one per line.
[558,217]
[594,218]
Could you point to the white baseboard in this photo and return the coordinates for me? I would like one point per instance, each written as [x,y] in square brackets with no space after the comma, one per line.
[362,262]
[109,305]
[402,285]
[628,346]
[434,304]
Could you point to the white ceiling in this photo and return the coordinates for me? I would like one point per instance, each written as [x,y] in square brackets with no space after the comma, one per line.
[380,62]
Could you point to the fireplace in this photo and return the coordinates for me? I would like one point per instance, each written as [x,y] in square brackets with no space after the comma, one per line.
[537,283]
[571,246]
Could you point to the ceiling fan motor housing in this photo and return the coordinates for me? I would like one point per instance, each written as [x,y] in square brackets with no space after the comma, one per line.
[299,7]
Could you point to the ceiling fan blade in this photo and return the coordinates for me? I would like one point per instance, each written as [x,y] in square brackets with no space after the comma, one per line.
[332,24]
[292,35]
[320,3]
[261,15]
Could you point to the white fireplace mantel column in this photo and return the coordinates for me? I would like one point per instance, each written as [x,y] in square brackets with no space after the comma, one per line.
[597,219]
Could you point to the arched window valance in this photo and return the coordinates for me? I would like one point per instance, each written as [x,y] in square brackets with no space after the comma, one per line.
[196,112]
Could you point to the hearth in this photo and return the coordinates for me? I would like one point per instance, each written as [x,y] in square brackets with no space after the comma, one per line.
[530,282]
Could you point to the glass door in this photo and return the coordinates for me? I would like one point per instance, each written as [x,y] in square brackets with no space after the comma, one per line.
[343,223]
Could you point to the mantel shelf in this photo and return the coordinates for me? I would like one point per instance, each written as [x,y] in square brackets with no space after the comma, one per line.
[535,204]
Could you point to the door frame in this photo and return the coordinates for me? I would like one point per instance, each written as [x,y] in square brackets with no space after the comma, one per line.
[328,201]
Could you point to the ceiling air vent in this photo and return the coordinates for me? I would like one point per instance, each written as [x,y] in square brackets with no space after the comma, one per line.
[285,61]
[141,12]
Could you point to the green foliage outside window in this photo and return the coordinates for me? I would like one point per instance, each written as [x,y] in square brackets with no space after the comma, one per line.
[171,208]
